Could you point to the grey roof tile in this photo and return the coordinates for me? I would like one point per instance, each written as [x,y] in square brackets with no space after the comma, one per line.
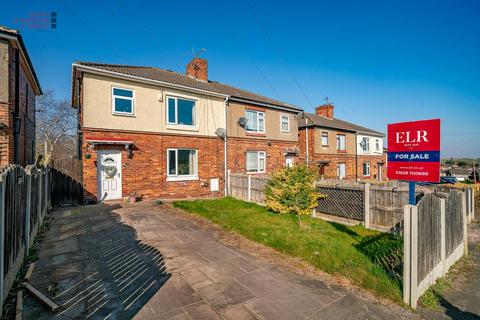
[157,74]
[316,120]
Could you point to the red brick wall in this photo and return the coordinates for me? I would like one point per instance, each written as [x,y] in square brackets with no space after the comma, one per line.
[26,142]
[374,160]
[275,153]
[145,173]
[329,171]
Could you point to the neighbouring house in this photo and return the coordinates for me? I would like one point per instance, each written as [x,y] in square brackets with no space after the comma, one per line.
[19,86]
[340,149]
[462,173]
[155,133]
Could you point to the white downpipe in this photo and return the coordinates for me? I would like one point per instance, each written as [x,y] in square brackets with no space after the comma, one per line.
[225,150]
[306,141]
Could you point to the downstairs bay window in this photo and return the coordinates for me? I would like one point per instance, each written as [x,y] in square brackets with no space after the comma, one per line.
[256,161]
[182,164]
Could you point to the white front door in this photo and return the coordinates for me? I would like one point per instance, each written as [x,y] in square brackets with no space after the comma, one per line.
[288,161]
[341,170]
[109,172]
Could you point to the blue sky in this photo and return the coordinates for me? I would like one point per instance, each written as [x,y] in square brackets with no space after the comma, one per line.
[379,62]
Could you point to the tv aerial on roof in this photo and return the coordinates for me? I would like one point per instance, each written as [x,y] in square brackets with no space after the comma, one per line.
[198,53]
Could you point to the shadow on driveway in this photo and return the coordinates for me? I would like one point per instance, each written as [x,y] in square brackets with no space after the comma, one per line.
[94,267]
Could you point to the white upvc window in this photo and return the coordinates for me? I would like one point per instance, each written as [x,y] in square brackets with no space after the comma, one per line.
[366,168]
[366,144]
[122,101]
[325,139]
[341,142]
[181,111]
[377,144]
[256,161]
[284,123]
[182,164]
[255,121]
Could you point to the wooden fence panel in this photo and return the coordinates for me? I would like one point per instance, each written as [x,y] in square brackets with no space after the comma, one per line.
[434,239]
[453,221]
[429,235]
[386,206]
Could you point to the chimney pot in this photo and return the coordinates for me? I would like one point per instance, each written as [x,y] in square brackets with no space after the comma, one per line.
[325,110]
[198,69]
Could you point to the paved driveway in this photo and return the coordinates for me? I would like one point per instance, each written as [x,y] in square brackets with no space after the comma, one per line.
[154,262]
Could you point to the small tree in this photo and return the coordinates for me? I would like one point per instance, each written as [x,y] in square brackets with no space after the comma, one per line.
[56,123]
[462,163]
[292,191]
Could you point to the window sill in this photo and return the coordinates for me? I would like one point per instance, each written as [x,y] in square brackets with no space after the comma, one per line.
[256,134]
[186,178]
[121,114]
[182,127]
[258,172]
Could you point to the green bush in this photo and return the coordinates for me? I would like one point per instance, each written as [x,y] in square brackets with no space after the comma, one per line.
[292,191]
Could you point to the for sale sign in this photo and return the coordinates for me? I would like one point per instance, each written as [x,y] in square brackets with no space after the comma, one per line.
[414,151]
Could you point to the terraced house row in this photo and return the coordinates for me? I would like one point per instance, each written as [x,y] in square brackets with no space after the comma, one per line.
[155,133]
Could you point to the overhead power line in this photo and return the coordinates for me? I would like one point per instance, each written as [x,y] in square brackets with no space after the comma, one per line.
[267,35]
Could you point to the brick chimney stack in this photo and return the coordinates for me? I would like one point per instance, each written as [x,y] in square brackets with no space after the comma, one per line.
[198,69]
[325,110]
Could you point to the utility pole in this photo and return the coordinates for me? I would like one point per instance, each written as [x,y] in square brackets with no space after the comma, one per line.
[474,172]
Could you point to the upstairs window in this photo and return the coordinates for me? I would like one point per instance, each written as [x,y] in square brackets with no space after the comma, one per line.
[366,168]
[377,144]
[122,101]
[340,142]
[255,121]
[366,144]
[181,111]
[284,123]
[256,161]
[325,139]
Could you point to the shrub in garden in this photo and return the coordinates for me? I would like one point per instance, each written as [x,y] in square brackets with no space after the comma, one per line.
[292,191]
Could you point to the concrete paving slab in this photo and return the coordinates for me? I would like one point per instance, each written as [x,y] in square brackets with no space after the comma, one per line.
[120,261]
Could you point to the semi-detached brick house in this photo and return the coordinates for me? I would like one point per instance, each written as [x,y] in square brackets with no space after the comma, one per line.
[340,149]
[162,134]
[18,87]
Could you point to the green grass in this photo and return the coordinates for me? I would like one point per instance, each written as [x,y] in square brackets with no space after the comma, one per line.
[431,298]
[351,252]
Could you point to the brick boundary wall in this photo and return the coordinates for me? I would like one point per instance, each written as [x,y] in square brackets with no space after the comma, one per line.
[145,172]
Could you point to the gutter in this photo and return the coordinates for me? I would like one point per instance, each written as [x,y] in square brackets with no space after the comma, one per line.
[273,106]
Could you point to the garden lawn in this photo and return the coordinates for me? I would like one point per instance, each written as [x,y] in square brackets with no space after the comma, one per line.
[331,247]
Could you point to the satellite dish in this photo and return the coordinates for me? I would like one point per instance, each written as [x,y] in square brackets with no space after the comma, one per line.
[221,133]
[242,122]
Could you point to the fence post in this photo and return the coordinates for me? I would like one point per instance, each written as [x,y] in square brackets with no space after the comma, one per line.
[414,257]
[473,204]
[249,190]
[2,238]
[40,199]
[443,231]
[28,211]
[366,204]
[229,172]
[406,253]
[464,214]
